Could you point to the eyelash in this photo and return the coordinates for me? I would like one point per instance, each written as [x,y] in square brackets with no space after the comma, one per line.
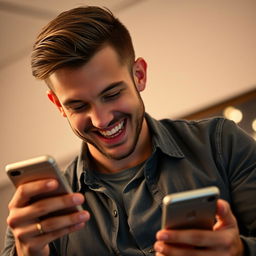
[112,96]
[105,98]
[79,108]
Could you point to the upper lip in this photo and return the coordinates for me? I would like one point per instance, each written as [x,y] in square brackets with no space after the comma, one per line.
[112,129]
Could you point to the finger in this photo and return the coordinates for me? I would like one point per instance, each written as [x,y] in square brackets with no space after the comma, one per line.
[38,243]
[200,238]
[225,218]
[60,222]
[43,240]
[162,248]
[26,232]
[159,254]
[190,237]
[26,191]
[43,207]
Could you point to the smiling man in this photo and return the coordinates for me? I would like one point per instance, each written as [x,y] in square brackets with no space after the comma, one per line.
[102,103]
[128,161]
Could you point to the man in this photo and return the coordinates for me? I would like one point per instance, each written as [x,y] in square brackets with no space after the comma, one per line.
[128,161]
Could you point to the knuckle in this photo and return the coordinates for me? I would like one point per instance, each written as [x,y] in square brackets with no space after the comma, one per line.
[11,221]
[10,205]
[21,190]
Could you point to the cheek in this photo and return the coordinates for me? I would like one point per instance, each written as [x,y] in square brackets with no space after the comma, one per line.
[129,103]
[77,122]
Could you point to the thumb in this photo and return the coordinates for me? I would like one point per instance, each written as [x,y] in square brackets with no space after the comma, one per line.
[225,217]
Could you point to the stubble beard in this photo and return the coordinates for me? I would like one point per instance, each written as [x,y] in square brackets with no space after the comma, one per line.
[138,121]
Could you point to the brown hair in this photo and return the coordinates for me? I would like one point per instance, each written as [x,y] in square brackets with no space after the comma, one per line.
[74,36]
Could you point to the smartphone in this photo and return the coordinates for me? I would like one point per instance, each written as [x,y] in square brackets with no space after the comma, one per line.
[192,209]
[42,167]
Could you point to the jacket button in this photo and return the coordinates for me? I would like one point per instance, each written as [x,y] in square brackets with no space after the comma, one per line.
[115,213]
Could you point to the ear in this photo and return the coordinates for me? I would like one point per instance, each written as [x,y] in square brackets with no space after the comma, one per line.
[54,99]
[140,74]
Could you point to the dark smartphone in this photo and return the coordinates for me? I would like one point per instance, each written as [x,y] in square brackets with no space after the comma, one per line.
[42,167]
[193,209]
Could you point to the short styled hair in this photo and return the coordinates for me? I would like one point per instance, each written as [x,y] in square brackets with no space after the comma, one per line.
[75,36]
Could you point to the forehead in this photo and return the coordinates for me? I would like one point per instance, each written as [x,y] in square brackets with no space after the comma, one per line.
[103,69]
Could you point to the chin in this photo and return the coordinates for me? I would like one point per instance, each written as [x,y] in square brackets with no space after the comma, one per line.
[120,154]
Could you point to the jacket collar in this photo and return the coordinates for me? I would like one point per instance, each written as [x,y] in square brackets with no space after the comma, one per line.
[162,137]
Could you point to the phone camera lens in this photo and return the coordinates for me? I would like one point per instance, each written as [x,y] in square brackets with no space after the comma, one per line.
[15,173]
[211,198]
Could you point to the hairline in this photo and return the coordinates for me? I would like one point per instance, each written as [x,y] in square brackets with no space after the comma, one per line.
[127,62]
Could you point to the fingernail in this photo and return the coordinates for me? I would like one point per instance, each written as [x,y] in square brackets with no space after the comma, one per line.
[83,216]
[77,199]
[51,184]
[163,236]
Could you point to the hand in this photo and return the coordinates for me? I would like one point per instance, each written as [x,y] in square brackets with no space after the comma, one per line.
[223,240]
[24,220]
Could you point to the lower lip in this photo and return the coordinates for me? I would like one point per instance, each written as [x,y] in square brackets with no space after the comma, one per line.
[117,139]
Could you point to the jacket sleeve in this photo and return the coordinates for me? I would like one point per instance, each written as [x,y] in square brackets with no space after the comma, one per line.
[237,152]
[9,246]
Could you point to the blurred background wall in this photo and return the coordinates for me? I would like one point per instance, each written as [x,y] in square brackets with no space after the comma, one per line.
[199,52]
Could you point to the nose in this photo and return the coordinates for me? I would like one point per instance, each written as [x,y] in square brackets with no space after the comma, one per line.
[100,117]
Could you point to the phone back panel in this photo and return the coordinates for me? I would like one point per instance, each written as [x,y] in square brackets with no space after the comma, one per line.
[183,211]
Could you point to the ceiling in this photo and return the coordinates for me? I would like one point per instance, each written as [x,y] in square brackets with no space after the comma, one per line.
[199,52]
[19,17]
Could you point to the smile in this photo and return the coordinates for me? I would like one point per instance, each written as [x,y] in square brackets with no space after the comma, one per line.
[113,132]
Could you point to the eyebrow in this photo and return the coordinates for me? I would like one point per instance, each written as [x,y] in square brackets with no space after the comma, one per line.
[112,86]
[70,102]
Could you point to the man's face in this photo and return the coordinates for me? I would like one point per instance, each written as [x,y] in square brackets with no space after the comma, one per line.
[102,103]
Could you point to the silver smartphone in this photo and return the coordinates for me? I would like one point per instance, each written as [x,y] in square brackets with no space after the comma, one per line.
[42,167]
[193,209]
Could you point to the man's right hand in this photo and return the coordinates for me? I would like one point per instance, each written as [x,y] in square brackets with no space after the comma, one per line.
[24,220]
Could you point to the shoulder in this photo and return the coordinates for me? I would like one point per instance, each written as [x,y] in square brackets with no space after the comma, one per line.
[191,123]
[195,127]
[216,130]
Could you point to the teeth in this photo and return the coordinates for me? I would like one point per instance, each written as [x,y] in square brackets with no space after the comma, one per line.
[113,131]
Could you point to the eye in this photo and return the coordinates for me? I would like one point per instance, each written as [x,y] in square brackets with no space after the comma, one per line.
[111,96]
[79,107]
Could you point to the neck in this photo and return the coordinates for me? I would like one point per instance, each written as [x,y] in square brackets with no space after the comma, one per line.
[141,153]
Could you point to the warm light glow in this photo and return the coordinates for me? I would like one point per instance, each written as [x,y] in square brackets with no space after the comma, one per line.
[233,114]
[254,125]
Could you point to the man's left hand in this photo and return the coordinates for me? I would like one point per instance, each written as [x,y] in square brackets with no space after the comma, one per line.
[223,240]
